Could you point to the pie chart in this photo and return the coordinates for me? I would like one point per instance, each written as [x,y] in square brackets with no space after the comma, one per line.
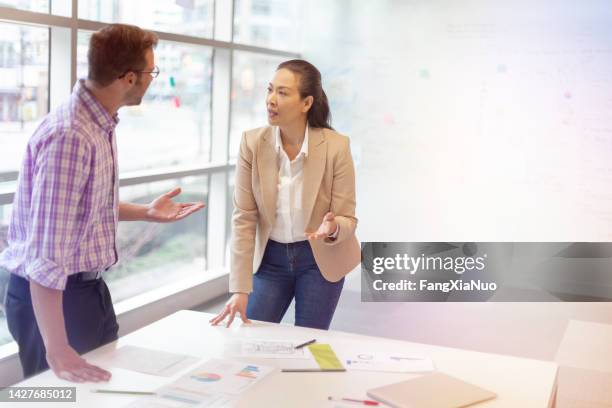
[206,377]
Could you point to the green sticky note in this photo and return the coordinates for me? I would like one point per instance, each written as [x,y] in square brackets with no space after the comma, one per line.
[325,356]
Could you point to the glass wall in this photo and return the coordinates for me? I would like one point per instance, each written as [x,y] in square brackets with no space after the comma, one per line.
[24,89]
[268,23]
[153,255]
[165,142]
[5,336]
[57,7]
[191,17]
[251,75]
[172,125]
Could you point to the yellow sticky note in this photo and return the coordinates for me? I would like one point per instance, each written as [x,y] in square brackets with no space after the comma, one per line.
[325,356]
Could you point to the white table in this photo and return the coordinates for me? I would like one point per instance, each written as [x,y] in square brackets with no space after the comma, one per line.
[518,382]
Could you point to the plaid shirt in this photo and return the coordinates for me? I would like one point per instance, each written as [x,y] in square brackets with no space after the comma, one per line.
[66,208]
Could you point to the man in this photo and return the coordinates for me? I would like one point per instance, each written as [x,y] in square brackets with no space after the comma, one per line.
[66,209]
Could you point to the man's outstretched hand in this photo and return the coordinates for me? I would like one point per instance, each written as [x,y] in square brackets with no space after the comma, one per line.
[164,209]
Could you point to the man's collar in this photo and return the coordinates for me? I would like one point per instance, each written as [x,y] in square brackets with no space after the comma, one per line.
[98,113]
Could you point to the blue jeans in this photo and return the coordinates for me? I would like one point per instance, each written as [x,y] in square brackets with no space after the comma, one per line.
[289,270]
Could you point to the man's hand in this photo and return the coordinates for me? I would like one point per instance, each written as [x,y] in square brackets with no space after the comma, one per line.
[237,304]
[327,227]
[62,359]
[163,209]
[67,364]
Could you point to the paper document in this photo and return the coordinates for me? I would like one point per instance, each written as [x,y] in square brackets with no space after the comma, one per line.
[126,380]
[216,383]
[149,361]
[272,349]
[384,361]
[218,376]
[325,356]
[179,401]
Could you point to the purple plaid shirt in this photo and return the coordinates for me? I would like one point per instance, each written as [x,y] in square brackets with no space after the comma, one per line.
[66,208]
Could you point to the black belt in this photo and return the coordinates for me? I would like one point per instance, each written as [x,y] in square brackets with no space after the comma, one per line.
[85,276]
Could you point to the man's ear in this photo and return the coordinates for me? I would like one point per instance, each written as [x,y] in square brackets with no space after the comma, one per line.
[307,103]
[130,78]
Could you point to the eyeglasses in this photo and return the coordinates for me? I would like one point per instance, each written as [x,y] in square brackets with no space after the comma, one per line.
[154,73]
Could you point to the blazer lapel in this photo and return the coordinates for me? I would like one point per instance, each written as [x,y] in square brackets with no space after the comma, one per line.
[314,167]
[268,174]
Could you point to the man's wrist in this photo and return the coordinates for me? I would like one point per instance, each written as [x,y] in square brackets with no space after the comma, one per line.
[56,346]
[145,213]
[133,212]
[142,212]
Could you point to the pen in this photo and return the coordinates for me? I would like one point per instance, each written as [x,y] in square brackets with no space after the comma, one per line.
[101,391]
[364,402]
[305,344]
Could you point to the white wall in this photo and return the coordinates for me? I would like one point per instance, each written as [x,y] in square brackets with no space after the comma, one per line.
[474,120]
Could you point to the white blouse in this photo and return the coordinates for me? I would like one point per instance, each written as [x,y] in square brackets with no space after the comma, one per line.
[290,223]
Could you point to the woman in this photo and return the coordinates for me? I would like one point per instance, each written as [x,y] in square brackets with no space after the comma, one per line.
[294,208]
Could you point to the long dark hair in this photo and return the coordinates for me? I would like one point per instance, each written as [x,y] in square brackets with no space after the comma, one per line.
[319,115]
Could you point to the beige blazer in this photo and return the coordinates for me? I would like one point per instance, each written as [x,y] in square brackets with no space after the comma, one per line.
[329,185]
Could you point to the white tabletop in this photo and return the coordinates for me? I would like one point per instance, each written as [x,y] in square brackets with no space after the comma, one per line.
[518,382]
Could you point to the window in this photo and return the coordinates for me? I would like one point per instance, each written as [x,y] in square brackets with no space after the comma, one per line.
[41,6]
[152,255]
[229,208]
[5,336]
[167,140]
[190,17]
[251,75]
[172,125]
[57,7]
[268,23]
[24,89]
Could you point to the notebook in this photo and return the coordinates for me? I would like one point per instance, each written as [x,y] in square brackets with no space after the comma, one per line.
[434,390]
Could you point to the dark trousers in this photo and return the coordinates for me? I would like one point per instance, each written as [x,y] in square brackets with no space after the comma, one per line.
[88,313]
[288,271]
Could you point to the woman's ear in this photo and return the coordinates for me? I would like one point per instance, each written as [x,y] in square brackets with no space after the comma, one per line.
[307,103]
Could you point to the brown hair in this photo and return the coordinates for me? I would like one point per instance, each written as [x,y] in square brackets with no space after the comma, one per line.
[117,49]
[319,115]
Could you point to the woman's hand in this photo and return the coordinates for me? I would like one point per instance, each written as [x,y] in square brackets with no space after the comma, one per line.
[327,227]
[236,304]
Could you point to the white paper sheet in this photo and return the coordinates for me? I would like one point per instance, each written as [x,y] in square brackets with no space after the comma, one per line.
[180,401]
[123,379]
[149,361]
[273,349]
[218,376]
[216,383]
[384,361]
